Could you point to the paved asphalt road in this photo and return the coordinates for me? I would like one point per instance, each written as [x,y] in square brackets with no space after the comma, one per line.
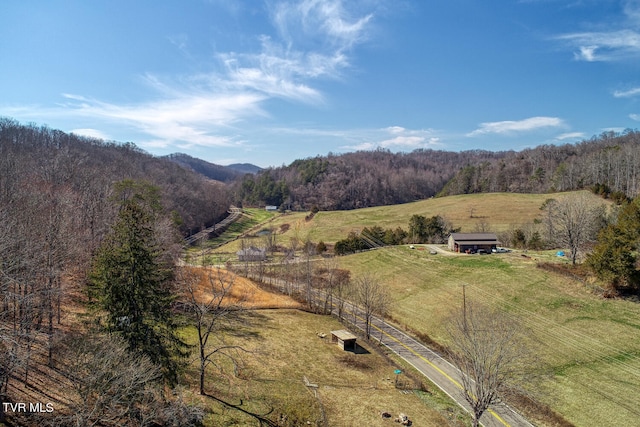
[433,366]
[439,371]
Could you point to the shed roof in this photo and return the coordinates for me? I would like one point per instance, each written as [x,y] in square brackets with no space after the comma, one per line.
[477,242]
[252,251]
[475,238]
[344,335]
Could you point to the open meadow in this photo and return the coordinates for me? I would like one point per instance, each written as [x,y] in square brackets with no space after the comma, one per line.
[497,212]
[585,349]
[282,346]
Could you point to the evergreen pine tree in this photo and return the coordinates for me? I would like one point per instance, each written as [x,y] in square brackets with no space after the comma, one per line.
[615,256]
[131,283]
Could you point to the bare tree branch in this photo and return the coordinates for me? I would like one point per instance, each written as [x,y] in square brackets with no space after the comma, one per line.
[486,347]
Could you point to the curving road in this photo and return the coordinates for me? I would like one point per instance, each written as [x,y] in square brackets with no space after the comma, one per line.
[234,214]
[433,366]
[439,371]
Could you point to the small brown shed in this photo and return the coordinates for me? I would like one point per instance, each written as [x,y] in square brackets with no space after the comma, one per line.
[345,339]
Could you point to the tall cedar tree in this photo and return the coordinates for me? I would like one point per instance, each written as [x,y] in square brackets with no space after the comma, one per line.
[615,256]
[130,282]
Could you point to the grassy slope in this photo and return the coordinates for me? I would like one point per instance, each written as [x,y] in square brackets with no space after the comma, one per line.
[501,211]
[587,348]
[285,348]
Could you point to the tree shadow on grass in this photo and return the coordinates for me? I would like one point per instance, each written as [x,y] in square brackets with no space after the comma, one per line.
[261,418]
[246,324]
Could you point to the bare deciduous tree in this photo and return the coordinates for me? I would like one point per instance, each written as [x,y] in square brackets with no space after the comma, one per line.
[575,221]
[486,347]
[372,297]
[109,384]
[210,301]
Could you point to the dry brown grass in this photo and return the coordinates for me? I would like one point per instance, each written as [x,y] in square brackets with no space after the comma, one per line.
[353,389]
[497,211]
[244,292]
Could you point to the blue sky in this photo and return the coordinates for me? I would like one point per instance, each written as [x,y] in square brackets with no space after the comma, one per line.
[270,81]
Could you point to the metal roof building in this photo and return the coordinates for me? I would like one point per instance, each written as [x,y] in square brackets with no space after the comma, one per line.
[471,242]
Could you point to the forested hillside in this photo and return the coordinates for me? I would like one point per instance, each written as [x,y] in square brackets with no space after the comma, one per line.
[80,171]
[210,170]
[375,178]
[357,180]
[610,161]
[73,211]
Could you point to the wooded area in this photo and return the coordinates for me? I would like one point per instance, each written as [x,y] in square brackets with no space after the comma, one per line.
[88,220]
[60,197]
[610,161]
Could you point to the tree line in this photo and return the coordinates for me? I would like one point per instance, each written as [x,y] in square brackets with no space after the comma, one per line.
[374,178]
[421,230]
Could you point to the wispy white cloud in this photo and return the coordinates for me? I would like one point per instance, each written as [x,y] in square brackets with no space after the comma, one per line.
[517,126]
[620,39]
[627,93]
[635,117]
[570,135]
[329,20]
[604,46]
[394,137]
[92,133]
[188,120]
[205,109]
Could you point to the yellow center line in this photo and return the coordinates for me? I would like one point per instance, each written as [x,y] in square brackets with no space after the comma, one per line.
[415,353]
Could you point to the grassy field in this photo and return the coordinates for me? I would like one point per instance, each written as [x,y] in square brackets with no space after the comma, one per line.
[353,389]
[283,347]
[250,219]
[499,211]
[586,348]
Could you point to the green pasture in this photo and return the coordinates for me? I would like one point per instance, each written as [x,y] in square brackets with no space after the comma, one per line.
[251,221]
[496,211]
[585,348]
[281,348]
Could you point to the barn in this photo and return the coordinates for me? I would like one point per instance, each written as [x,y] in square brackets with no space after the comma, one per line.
[252,254]
[472,242]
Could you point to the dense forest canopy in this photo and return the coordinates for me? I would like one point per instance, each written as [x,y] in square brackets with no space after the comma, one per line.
[373,178]
[59,203]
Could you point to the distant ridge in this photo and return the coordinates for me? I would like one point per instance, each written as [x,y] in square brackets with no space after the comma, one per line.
[245,168]
[212,170]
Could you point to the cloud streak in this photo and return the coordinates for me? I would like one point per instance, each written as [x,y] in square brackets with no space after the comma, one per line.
[630,93]
[205,109]
[570,135]
[621,41]
[517,126]
[604,46]
[394,137]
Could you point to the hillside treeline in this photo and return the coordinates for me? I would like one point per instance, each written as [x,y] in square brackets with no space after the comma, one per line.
[357,180]
[210,170]
[374,178]
[36,159]
[610,160]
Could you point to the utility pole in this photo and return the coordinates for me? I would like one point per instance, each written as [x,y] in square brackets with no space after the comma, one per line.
[464,307]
